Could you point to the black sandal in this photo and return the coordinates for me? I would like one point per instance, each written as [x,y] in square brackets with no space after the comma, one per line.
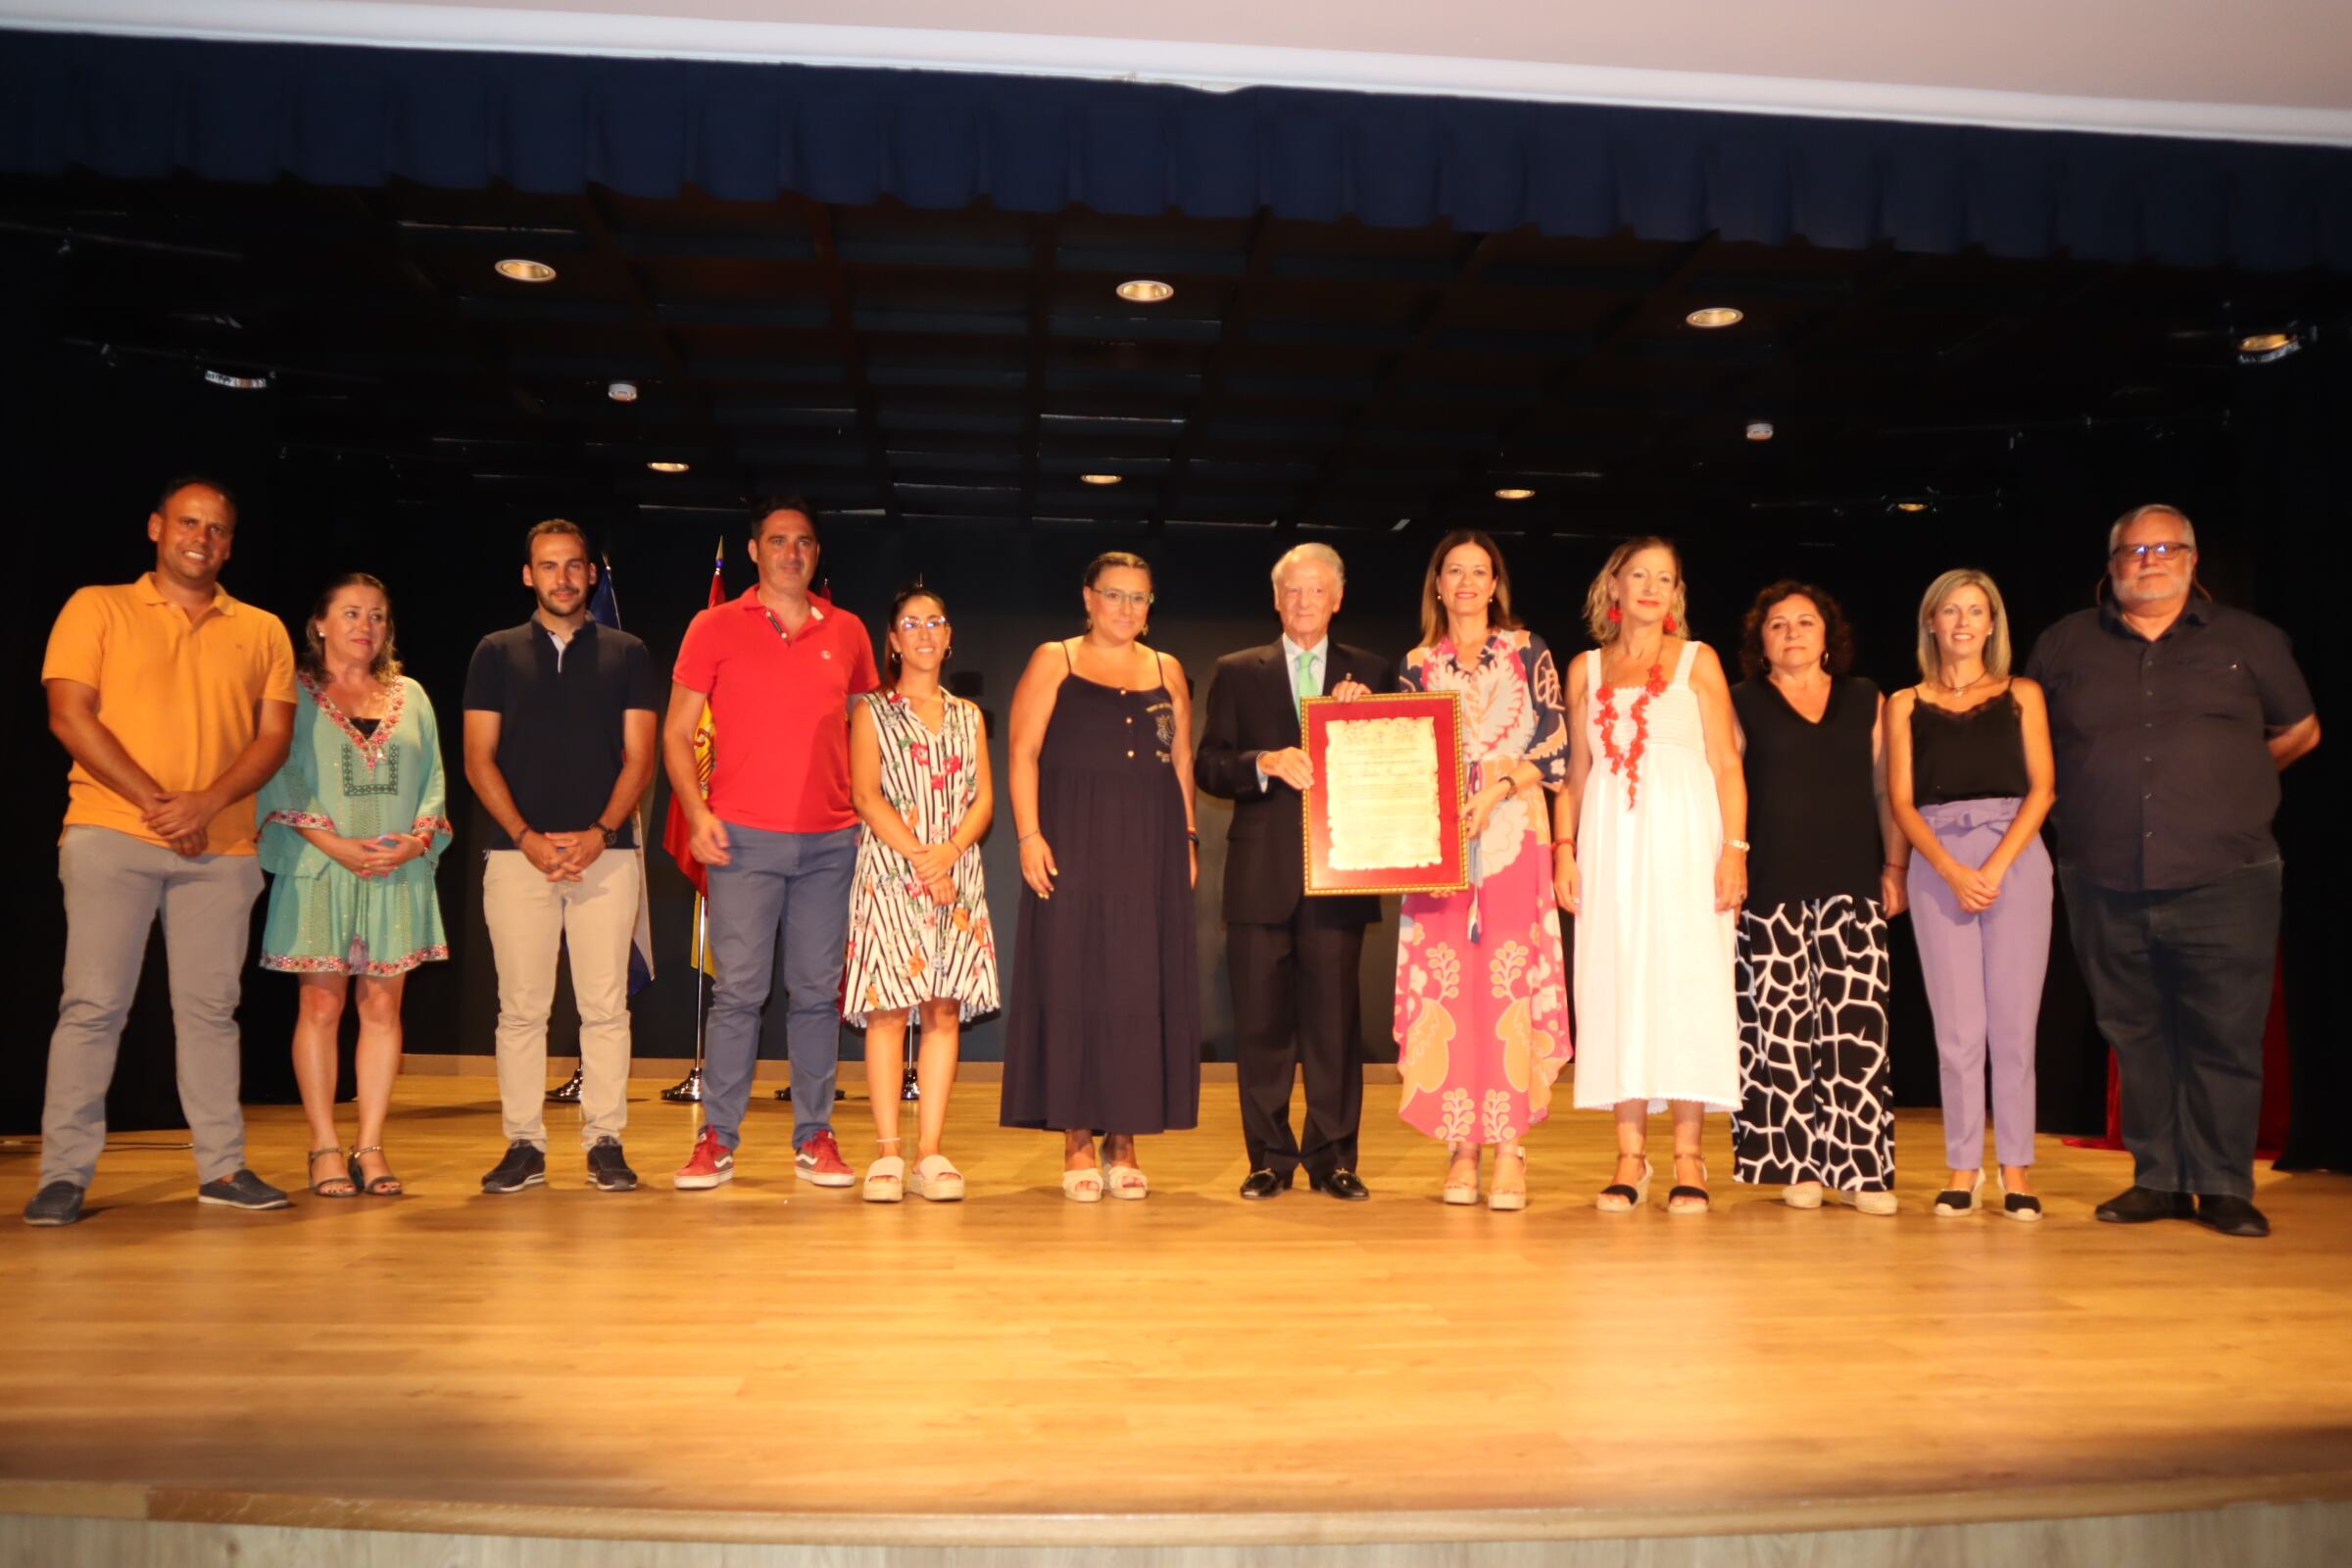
[336,1186]
[1685,1192]
[385,1186]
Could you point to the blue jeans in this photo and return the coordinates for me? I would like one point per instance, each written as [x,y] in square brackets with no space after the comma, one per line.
[2180,981]
[797,884]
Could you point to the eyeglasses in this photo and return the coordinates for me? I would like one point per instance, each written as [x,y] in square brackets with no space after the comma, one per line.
[2161,550]
[922,624]
[1125,598]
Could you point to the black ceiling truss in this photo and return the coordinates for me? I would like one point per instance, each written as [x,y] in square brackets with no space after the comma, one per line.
[908,365]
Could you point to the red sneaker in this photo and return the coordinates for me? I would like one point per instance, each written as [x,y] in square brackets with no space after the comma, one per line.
[819,1160]
[712,1162]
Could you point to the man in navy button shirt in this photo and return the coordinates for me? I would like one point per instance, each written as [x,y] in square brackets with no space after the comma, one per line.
[560,740]
[2171,717]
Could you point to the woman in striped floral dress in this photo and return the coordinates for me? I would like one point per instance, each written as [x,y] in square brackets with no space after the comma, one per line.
[921,941]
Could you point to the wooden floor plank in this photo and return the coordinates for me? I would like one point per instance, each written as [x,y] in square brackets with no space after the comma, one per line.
[773,1349]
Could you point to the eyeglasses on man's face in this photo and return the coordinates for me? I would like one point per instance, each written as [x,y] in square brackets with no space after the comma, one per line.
[2158,549]
[1124,598]
[913,624]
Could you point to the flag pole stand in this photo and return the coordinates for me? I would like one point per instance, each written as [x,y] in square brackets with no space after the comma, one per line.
[688,1090]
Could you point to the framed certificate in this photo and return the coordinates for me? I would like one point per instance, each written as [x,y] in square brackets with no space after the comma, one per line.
[1386,813]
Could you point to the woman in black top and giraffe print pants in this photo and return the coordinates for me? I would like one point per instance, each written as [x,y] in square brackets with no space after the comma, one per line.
[1817,1104]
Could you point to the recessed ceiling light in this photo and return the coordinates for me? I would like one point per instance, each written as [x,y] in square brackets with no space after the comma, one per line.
[1716,316]
[664,467]
[237,383]
[1759,430]
[622,391]
[523,270]
[1101,478]
[1514,495]
[2260,348]
[1145,290]
[1910,506]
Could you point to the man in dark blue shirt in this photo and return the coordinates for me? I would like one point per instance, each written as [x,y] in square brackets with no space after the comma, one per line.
[2171,717]
[560,740]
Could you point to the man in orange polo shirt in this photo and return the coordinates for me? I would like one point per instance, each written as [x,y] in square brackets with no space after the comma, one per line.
[176,703]
[778,832]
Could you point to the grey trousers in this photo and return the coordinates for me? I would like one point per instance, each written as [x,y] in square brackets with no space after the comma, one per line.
[116,886]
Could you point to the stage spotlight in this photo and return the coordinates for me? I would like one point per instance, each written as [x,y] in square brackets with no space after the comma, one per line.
[238,383]
[1145,291]
[1100,478]
[1759,430]
[523,270]
[1910,506]
[1514,495]
[622,391]
[2260,348]
[1716,316]
[667,466]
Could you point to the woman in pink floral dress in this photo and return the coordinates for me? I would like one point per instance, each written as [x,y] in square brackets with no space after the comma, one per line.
[1482,1001]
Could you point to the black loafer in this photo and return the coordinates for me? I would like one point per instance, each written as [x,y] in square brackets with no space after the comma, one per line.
[2231,1216]
[2138,1205]
[608,1170]
[242,1189]
[1342,1183]
[58,1204]
[1263,1184]
[523,1166]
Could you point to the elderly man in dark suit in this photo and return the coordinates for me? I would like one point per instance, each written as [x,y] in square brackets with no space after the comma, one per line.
[1292,959]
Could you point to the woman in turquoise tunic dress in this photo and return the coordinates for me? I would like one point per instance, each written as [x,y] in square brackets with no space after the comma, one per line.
[353,828]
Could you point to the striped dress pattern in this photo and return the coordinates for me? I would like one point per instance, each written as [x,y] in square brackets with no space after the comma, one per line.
[905,947]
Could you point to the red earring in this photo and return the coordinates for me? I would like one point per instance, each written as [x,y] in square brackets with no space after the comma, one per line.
[1615,613]
[1669,625]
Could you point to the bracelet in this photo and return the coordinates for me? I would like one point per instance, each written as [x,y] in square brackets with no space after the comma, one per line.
[1564,844]
[1193,836]
[1742,845]
[1026,837]
[1898,865]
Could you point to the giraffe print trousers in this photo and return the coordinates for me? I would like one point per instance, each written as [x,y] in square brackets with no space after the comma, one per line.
[1816,1098]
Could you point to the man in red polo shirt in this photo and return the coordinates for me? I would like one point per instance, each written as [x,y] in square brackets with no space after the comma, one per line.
[778,832]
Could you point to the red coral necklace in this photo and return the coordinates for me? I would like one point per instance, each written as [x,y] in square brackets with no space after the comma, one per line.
[1627,764]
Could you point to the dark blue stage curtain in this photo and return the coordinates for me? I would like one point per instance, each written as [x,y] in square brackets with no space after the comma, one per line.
[143,108]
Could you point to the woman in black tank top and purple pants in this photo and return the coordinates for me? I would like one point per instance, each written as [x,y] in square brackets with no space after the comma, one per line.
[1971,779]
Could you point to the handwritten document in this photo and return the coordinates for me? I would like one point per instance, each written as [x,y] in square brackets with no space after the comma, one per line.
[1382,778]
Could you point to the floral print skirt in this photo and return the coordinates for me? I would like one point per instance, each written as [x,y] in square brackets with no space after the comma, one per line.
[1482,1024]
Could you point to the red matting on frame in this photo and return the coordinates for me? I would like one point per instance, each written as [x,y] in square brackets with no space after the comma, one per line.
[1451,873]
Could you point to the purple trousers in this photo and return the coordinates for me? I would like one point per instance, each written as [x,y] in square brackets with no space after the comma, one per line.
[1983,974]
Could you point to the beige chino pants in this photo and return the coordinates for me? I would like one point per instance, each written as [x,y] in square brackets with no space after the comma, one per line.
[592,919]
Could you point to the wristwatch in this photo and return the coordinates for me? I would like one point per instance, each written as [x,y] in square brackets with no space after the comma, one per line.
[610,833]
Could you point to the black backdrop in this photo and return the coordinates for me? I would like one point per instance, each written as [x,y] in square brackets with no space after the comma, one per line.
[88,445]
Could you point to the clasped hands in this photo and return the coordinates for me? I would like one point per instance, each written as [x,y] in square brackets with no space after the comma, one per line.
[380,857]
[935,867]
[180,817]
[562,856]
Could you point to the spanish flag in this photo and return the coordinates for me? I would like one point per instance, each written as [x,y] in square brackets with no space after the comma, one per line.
[677,832]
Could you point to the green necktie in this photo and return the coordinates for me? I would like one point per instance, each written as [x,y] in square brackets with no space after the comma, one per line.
[1304,686]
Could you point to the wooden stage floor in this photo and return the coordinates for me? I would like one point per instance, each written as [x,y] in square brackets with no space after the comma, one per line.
[772,1361]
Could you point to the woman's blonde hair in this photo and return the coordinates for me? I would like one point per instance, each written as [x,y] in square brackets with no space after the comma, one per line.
[1940,593]
[1600,601]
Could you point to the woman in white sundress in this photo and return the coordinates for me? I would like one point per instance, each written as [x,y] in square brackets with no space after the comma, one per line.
[1652,860]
